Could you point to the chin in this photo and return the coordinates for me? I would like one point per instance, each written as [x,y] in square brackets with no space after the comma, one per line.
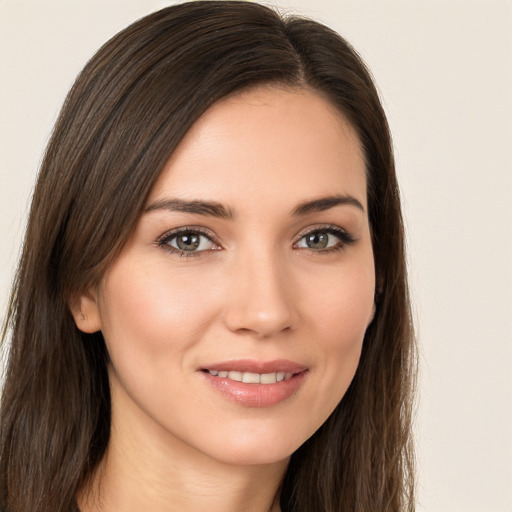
[257,448]
[259,456]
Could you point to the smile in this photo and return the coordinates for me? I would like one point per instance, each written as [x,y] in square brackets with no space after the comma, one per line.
[252,378]
[252,383]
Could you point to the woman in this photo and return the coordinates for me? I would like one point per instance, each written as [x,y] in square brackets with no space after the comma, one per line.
[211,307]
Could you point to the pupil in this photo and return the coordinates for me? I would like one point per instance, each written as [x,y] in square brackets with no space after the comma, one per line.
[317,241]
[188,242]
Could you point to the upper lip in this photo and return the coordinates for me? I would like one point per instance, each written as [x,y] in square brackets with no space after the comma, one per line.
[253,366]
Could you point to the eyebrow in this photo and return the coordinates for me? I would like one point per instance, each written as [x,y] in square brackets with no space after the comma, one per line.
[325,203]
[215,209]
[208,208]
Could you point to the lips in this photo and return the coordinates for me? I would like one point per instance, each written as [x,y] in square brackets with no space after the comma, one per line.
[256,383]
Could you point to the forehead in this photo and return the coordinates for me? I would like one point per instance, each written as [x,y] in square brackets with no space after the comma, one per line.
[268,143]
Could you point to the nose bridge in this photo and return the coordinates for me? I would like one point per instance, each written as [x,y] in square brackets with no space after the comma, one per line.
[261,294]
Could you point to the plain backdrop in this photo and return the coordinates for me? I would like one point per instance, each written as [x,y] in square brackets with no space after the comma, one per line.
[444,69]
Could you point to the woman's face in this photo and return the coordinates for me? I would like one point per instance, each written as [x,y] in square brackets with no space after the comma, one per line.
[252,261]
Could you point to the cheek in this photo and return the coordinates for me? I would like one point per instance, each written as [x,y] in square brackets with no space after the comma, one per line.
[339,321]
[344,307]
[149,314]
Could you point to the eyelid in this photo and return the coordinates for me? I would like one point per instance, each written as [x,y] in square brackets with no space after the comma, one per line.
[345,237]
[163,239]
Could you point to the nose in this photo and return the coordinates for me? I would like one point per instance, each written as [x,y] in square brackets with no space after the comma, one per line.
[261,299]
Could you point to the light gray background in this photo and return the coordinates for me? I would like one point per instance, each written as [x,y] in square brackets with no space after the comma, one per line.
[444,69]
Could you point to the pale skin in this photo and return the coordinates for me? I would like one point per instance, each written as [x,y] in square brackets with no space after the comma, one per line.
[255,245]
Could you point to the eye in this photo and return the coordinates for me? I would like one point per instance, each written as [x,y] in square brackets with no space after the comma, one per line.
[324,239]
[187,241]
[190,242]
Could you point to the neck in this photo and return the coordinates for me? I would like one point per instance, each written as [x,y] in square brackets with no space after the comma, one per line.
[147,469]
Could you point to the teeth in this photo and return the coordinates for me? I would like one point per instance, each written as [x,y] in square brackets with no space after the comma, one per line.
[268,378]
[235,376]
[252,378]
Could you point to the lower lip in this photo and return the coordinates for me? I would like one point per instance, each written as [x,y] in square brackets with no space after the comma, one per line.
[256,395]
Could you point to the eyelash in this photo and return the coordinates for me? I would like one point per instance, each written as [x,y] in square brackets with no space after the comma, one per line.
[164,240]
[345,239]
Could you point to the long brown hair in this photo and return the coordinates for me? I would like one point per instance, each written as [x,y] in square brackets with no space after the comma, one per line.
[126,113]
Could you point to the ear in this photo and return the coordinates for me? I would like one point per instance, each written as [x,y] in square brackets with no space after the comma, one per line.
[372,316]
[378,295]
[86,312]
[376,300]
